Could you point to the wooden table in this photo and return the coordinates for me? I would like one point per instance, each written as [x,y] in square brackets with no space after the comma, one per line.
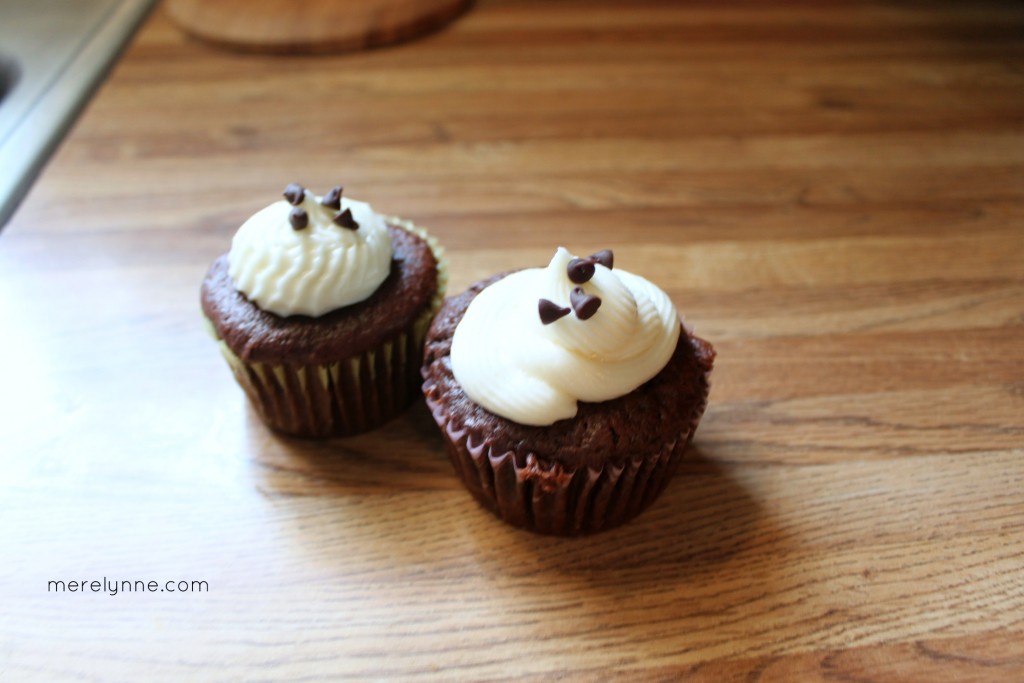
[832,192]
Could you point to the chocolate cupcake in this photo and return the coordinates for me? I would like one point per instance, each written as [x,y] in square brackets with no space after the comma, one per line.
[566,395]
[320,308]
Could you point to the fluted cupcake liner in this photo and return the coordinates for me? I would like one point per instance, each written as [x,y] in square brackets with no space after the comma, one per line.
[546,497]
[351,395]
[335,399]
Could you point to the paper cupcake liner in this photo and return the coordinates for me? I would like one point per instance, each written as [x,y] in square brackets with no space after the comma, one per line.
[351,395]
[548,498]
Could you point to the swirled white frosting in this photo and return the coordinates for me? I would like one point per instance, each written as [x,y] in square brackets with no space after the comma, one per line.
[314,270]
[507,361]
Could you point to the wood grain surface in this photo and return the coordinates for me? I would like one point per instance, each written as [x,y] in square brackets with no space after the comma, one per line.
[832,192]
[310,26]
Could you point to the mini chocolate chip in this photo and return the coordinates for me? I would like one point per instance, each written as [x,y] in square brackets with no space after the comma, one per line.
[298,218]
[550,311]
[345,220]
[605,257]
[294,193]
[584,304]
[332,200]
[580,270]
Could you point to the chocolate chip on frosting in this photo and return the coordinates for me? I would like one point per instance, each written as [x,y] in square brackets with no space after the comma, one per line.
[294,193]
[298,218]
[345,220]
[605,257]
[584,304]
[332,200]
[550,311]
[580,270]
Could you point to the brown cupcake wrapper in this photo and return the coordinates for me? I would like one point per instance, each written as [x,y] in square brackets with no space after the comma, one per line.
[352,395]
[548,498]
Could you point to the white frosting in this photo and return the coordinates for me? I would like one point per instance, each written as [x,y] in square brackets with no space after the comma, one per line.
[510,363]
[314,270]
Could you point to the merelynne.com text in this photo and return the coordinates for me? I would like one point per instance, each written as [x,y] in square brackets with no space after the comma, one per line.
[113,587]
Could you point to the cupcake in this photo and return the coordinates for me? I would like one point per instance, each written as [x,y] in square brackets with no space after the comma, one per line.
[320,308]
[566,395]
